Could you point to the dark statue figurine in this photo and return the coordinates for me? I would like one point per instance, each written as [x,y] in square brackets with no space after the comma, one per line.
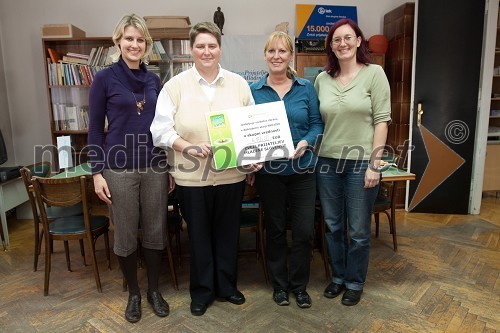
[219,19]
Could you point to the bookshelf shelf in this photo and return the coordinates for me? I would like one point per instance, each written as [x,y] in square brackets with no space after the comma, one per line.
[68,79]
[491,180]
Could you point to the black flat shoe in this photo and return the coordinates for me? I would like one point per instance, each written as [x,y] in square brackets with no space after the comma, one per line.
[160,306]
[333,290]
[133,310]
[303,299]
[237,298]
[351,297]
[280,297]
[198,309]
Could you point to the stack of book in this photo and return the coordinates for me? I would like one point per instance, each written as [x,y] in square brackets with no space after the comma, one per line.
[76,68]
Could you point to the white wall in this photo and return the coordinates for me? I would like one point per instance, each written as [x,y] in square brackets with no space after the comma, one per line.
[23,60]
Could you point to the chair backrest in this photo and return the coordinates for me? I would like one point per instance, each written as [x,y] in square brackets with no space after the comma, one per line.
[40,169]
[60,192]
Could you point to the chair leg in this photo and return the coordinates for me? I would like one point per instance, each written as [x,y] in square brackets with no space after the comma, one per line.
[106,244]
[38,248]
[90,242]
[66,252]
[392,223]
[82,252]
[48,255]
[377,220]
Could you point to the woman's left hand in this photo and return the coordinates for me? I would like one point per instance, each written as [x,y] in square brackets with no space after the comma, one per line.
[171,183]
[300,149]
[372,178]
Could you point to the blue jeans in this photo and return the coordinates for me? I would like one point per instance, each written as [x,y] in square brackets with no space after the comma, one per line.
[347,208]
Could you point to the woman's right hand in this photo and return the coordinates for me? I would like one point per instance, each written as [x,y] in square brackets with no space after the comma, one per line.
[101,188]
[202,150]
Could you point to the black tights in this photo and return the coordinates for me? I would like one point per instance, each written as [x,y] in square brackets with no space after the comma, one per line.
[128,266]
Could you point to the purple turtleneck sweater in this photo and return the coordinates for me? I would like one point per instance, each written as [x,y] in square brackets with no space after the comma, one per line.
[127,143]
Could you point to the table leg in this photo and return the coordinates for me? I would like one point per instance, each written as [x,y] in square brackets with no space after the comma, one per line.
[4,233]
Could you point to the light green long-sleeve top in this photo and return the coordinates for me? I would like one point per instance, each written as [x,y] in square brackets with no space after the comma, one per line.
[350,113]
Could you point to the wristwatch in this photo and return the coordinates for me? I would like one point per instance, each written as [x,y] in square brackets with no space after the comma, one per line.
[373,167]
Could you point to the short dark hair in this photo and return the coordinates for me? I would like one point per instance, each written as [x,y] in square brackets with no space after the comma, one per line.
[204,27]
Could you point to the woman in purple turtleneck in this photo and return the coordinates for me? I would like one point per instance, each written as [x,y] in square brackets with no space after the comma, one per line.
[129,173]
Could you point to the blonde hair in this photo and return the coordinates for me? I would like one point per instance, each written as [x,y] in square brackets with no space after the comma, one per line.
[283,37]
[137,22]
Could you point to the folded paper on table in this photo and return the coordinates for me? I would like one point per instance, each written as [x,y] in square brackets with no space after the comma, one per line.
[249,134]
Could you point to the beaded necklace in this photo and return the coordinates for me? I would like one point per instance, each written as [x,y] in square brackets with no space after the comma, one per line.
[140,104]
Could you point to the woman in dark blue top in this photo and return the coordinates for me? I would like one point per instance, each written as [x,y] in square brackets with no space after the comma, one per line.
[129,173]
[287,188]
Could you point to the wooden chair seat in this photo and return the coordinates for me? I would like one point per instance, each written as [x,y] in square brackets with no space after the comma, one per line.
[75,225]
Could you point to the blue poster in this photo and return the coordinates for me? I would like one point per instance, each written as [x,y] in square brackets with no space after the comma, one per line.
[314,21]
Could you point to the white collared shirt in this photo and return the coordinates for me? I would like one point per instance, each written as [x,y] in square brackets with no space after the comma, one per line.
[162,127]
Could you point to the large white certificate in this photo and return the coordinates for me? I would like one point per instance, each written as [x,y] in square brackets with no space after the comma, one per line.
[249,134]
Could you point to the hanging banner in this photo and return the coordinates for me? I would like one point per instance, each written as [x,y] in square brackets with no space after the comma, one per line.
[244,55]
[314,21]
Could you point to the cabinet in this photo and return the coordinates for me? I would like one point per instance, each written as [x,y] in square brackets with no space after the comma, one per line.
[308,65]
[491,179]
[68,84]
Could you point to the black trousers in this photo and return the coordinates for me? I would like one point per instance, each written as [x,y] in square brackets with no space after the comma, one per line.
[288,199]
[212,214]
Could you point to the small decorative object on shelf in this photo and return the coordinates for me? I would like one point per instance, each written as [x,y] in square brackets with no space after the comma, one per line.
[219,19]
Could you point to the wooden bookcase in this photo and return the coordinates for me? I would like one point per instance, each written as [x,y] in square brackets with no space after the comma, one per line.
[70,97]
[491,180]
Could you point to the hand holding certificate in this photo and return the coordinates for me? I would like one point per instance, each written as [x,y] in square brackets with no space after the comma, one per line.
[249,134]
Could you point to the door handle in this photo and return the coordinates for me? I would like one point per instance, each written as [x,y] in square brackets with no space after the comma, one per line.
[420,112]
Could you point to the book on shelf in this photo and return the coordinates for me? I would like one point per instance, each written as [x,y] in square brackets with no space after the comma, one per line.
[70,117]
[54,56]
[78,55]
[72,60]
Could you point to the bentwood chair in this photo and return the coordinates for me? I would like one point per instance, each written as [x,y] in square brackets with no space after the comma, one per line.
[385,202]
[252,221]
[43,169]
[67,192]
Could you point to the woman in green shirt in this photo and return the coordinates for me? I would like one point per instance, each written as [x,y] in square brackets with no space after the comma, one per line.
[355,106]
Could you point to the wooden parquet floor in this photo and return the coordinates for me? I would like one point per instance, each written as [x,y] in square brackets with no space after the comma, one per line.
[443,278]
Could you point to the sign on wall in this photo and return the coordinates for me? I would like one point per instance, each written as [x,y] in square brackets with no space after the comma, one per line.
[314,21]
[244,55]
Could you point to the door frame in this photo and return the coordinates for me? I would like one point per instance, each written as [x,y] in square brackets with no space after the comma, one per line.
[484,101]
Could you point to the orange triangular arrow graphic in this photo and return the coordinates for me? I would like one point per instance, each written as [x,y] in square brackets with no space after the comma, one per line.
[443,162]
